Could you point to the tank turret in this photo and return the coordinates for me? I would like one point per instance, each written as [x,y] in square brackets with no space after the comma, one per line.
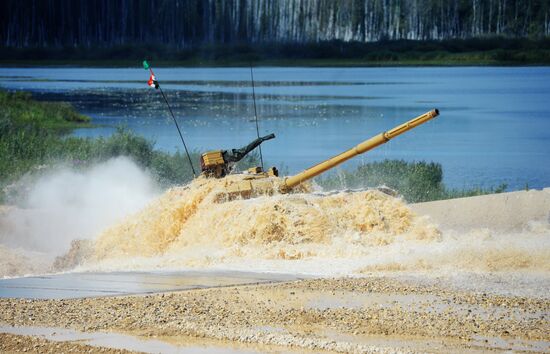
[219,163]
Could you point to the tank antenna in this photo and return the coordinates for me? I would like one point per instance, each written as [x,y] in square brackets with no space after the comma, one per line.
[153,82]
[256,115]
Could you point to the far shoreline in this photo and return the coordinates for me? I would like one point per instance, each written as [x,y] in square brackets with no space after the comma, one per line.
[264,63]
[484,51]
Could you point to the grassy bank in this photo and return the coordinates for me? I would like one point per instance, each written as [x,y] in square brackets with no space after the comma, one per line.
[415,181]
[34,138]
[478,51]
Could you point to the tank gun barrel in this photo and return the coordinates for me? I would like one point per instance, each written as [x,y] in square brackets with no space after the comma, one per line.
[363,147]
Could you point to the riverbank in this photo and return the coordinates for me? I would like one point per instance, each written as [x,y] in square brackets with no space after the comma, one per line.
[467,59]
[437,60]
[495,51]
[503,212]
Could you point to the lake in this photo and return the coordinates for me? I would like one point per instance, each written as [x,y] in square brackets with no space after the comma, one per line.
[494,126]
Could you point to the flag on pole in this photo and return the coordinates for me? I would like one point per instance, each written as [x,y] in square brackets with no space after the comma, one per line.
[153,82]
[152,79]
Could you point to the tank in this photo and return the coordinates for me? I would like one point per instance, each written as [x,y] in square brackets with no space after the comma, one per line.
[255,181]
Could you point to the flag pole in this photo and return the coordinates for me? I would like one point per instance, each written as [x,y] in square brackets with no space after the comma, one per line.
[179,131]
[157,86]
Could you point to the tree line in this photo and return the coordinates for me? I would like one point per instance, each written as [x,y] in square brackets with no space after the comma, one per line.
[190,23]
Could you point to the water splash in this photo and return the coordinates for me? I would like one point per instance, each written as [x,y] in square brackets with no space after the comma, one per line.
[188,226]
[337,234]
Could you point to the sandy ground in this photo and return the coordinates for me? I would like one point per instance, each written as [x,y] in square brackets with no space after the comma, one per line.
[502,303]
[503,212]
[10,343]
[341,315]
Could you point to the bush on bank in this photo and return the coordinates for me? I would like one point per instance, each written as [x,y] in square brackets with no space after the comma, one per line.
[415,181]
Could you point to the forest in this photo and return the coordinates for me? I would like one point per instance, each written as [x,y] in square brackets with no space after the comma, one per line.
[191,23]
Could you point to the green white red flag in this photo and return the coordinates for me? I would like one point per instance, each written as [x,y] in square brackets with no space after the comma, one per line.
[152,79]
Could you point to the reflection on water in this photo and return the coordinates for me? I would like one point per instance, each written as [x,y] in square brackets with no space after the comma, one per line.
[494,124]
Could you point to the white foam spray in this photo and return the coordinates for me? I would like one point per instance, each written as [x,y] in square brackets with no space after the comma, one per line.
[66,204]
